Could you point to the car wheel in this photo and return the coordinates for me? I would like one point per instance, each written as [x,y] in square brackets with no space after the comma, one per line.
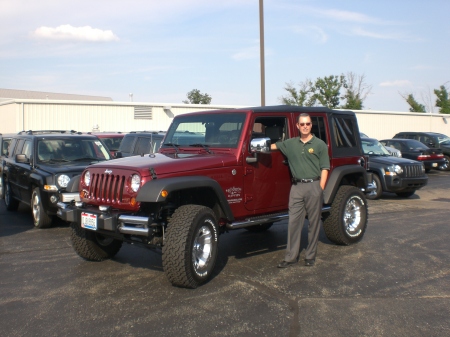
[93,246]
[191,244]
[259,228]
[405,194]
[1,188]
[347,221]
[40,218]
[445,166]
[11,203]
[378,188]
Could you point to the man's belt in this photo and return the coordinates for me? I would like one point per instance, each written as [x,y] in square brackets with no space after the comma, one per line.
[295,180]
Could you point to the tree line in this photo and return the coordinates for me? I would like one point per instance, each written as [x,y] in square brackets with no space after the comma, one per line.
[337,91]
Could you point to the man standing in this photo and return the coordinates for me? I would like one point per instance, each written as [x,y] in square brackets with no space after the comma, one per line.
[309,163]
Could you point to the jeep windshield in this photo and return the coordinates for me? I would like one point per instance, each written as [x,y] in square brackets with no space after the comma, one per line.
[373,147]
[443,139]
[218,130]
[69,150]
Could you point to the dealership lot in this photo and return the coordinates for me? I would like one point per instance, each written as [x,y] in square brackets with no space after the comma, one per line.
[395,282]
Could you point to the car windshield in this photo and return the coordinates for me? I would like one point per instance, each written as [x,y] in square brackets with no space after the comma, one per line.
[112,143]
[215,130]
[69,149]
[443,139]
[374,147]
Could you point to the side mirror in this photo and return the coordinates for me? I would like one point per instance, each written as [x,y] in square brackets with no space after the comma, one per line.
[118,154]
[21,158]
[260,145]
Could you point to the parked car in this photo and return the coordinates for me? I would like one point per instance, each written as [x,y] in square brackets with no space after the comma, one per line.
[111,139]
[401,176]
[432,140]
[392,151]
[39,166]
[5,139]
[139,143]
[413,149]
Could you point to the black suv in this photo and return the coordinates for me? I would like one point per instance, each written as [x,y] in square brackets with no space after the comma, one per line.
[5,139]
[140,142]
[41,163]
[433,140]
[392,174]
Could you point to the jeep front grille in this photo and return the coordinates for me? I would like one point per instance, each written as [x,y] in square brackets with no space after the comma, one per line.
[413,171]
[107,188]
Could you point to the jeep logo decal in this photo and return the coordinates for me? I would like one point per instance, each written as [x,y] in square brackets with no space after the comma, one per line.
[108,171]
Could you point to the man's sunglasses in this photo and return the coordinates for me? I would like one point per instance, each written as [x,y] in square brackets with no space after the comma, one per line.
[303,124]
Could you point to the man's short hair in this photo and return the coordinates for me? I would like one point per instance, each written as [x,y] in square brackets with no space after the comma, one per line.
[304,114]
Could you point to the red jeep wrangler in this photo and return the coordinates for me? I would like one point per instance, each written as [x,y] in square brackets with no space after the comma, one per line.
[214,172]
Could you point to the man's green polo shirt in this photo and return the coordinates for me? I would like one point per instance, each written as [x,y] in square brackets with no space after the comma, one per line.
[306,160]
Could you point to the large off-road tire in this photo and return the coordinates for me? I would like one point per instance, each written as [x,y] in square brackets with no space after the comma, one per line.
[2,189]
[378,188]
[259,228]
[191,244]
[91,245]
[405,194]
[40,218]
[347,221]
[11,203]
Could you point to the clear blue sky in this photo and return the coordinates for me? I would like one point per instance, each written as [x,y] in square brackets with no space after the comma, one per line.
[160,50]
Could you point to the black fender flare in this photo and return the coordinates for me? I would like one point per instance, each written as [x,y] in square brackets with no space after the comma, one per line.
[334,180]
[151,191]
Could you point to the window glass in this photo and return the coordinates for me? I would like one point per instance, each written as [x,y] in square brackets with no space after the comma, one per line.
[143,146]
[343,132]
[318,128]
[27,149]
[127,144]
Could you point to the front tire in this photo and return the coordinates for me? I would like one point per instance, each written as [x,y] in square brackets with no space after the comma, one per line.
[11,203]
[40,218]
[93,246]
[347,221]
[2,189]
[191,245]
[378,188]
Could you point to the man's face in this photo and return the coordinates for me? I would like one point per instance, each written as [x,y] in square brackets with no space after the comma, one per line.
[304,125]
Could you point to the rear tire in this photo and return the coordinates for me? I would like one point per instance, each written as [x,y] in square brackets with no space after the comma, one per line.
[93,246]
[2,190]
[11,203]
[40,218]
[446,166]
[347,221]
[191,244]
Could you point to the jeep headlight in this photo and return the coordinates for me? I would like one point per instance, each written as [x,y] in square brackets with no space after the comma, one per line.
[398,169]
[87,178]
[63,180]
[135,182]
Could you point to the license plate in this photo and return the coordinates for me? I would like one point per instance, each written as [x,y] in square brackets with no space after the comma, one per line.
[435,164]
[89,221]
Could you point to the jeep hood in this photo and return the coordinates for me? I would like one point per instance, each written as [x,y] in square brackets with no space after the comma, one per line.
[167,164]
[390,160]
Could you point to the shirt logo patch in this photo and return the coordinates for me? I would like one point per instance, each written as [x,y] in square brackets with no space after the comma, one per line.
[311,150]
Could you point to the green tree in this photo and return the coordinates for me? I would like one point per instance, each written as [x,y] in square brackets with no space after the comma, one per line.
[414,105]
[356,91]
[303,97]
[196,97]
[442,101]
[327,90]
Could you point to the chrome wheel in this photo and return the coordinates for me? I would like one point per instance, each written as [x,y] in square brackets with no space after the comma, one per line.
[353,215]
[1,187]
[36,207]
[201,250]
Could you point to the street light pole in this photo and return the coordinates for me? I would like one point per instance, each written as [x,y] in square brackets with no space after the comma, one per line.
[261,52]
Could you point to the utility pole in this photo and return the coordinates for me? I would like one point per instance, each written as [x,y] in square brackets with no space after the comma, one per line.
[261,52]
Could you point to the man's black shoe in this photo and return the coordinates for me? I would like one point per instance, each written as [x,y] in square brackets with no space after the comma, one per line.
[284,264]
[309,263]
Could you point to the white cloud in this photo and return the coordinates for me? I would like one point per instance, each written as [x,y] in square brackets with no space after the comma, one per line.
[313,32]
[70,33]
[396,83]
[347,16]
[365,33]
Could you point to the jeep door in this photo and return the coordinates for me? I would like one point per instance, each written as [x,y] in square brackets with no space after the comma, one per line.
[267,181]
[23,172]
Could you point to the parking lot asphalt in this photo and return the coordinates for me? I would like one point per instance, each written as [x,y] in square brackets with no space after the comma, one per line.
[395,282]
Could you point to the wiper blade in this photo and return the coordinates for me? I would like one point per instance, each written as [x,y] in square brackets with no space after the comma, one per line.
[206,147]
[175,146]
[86,158]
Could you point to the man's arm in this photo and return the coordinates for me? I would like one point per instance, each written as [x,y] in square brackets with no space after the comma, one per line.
[273,147]
[323,178]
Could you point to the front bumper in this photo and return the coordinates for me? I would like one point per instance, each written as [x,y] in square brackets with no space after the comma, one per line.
[108,221]
[398,183]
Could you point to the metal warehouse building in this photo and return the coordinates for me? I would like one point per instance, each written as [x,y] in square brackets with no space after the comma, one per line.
[49,111]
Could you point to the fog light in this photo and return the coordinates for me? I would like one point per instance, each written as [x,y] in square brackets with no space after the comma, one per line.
[133,201]
[79,203]
[53,199]
[104,208]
